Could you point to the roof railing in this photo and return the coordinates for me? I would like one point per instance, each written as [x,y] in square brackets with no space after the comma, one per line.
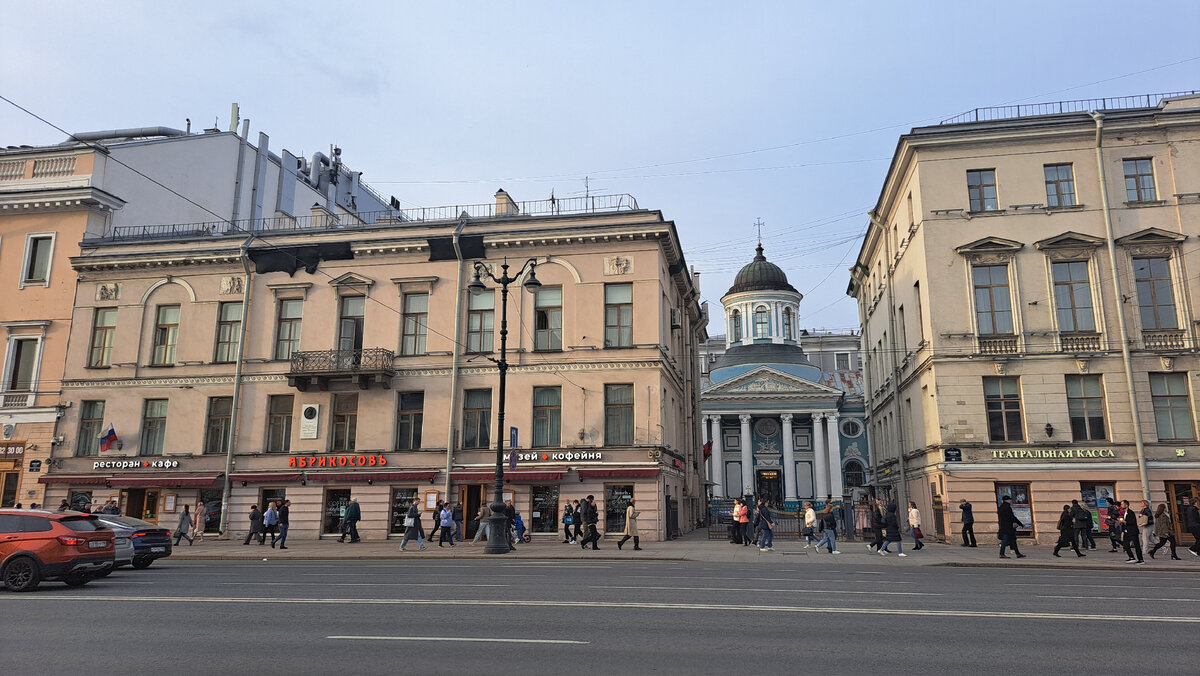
[1058,107]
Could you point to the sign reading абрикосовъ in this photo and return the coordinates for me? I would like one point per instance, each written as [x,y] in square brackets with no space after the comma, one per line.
[1053,454]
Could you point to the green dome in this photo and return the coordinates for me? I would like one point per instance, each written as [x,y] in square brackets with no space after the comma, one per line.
[760,275]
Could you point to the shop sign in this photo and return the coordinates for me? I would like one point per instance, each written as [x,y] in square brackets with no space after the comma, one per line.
[558,457]
[338,461]
[953,454]
[1054,454]
[35,466]
[135,464]
[12,449]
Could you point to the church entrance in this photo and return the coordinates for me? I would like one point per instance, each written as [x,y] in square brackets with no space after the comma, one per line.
[769,486]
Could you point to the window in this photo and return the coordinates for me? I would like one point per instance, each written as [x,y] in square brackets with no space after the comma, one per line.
[220,420]
[1002,397]
[38,252]
[408,421]
[104,324]
[841,361]
[154,427]
[544,504]
[735,326]
[401,499]
[279,422]
[166,333]
[1019,494]
[1172,410]
[416,317]
[1139,180]
[547,319]
[22,363]
[762,323]
[981,187]
[229,329]
[616,501]
[618,315]
[1073,296]
[547,416]
[477,418]
[1060,185]
[345,421]
[788,322]
[481,320]
[854,474]
[920,312]
[618,415]
[287,328]
[350,323]
[91,426]
[1085,404]
[993,313]
[1156,299]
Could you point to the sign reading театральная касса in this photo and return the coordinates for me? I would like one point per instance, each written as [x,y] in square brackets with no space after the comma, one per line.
[1053,453]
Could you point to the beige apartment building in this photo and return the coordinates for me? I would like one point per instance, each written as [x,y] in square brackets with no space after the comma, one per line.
[994,324]
[337,355]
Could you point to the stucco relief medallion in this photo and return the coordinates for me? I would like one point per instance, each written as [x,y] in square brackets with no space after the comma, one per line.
[231,285]
[108,291]
[766,427]
[618,265]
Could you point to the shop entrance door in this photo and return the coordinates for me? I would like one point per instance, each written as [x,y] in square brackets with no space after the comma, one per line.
[8,488]
[141,503]
[471,497]
[770,487]
[1180,495]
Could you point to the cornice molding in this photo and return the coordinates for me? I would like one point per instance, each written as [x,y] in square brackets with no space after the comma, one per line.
[59,199]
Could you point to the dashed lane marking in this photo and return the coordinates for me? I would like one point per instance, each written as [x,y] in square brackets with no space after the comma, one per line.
[458,639]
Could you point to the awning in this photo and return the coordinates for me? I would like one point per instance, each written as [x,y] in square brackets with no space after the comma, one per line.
[77,479]
[165,480]
[514,475]
[372,476]
[262,478]
[626,472]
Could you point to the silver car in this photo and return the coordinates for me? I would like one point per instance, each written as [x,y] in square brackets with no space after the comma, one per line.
[123,546]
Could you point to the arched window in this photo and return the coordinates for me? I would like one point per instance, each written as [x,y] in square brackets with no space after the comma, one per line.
[762,323]
[854,474]
[787,323]
[735,326]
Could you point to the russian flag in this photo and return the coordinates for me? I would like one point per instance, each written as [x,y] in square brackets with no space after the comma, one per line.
[108,440]
[707,450]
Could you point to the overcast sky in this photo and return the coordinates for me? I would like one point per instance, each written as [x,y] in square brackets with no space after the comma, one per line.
[714,113]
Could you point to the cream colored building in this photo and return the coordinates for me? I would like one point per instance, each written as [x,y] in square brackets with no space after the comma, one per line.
[992,327]
[367,369]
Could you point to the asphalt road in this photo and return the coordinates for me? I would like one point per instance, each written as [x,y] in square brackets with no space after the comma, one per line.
[782,616]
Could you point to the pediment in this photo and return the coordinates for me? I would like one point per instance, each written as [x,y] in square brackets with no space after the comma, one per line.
[351,279]
[989,245]
[1070,240]
[766,381]
[1151,236]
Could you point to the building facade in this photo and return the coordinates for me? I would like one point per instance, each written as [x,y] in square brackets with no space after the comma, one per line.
[1020,270]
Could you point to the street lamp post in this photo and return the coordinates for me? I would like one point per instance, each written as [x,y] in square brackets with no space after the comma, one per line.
[498,530]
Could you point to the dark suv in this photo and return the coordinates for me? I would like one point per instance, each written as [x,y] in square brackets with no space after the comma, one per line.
[37,545]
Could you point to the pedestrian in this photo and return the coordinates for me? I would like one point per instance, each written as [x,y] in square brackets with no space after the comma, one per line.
[112,508]
[437,520]
[631,528]
[351,519]
[766,524]
[285,507]
[914,522]
[484,516]
[891,531]
[1133,539]
[968,523]
[568,518]
[1113,520]
[199,520]
[412,526]
[742,512]
[735,526]
[828,530]
[271,523]
[183,527]
[578,524]
[1067,532]
[1164,530]
[876,508]
[457,513]
[64,506]
[810,525]
[510,518]
[1145,521]
[256,527]
[1193,524]
[591,517]
[446,521]
[1008,527]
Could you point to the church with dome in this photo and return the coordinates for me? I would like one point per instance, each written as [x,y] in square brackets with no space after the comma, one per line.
[782,406]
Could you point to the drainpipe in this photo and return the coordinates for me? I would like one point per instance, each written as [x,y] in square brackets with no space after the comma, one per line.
[237,390]
[458,296]
[1122,329]
[902,493]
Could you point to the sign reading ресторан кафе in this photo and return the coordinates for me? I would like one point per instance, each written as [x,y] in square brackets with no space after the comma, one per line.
[1053,453]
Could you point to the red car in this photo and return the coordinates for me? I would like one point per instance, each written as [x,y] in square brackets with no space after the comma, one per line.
[37,545]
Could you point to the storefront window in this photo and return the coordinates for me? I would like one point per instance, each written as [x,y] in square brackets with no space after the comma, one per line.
[151,508]
[8,488]
[1098,498]
[616,499]
[1021,506]
[81,501]
[212,510]
[545,509]
[401,499]
[336,500]
[270,495]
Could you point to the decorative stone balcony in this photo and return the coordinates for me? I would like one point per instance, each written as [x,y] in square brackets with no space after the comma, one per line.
[1079,342]
[1164,339]
[998,345]
[321,367]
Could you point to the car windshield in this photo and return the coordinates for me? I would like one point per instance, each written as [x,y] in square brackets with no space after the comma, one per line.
[81,524]
[130,522]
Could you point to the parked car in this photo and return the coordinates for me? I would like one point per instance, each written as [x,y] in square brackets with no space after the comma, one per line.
[123,547]
[150,541]
[37,545]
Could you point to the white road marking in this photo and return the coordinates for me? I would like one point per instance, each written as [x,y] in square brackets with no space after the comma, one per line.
[1118,598]
[592,605]
[1101,586]
[784,591]
[369,584]
[754,579]
[460,639]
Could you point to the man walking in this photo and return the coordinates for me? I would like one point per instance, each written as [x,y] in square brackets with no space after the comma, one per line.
[1081,523]
[968,523]
[1193,526]
[353,514]
[590,518]
[578,524]
[256,527]
[1133,539]
[458,521]
[766,524]
[1008,527]
[284,508]
[1145,521]
[485,513]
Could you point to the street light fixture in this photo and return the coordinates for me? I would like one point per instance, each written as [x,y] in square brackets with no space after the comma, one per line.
[498,530]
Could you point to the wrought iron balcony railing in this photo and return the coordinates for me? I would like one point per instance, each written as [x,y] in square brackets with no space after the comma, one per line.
[372,364]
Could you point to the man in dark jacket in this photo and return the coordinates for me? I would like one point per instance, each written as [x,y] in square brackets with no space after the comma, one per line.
[1133,539]
[591,517]
[284,508]
[1008,528]
[256,527]
[353,515]
[1193,526]
[968,522]
[766,525]
[1081,522]
[457,512]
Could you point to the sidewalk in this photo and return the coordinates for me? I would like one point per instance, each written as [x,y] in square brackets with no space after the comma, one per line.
[693,547]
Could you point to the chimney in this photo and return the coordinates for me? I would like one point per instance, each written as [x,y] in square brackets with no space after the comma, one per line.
[505,206]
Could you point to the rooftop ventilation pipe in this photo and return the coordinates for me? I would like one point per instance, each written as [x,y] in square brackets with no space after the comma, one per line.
[119,134]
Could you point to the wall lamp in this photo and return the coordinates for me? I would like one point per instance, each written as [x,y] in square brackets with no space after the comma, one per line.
[1049,430]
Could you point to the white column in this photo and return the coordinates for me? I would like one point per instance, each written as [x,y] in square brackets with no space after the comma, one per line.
[789,459]
[747,457]
[718,459]
[835,455]
[820,459]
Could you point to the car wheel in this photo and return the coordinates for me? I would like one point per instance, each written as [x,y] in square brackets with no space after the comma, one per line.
[76,580]
[21,574]
[142,562]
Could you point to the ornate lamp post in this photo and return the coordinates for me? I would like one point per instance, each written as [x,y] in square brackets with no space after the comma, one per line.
[498,530]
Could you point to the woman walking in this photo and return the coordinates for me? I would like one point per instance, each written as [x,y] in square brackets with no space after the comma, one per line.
[568,519]
[185,526]
[810,525]
[1066,532]
[271,523]
[631,528]
[446,521]
[743,521]
[412,527]
[891,531]
[914,522]
[437,521]
[829,530]
[876,525]
[199,520]
[1164,530]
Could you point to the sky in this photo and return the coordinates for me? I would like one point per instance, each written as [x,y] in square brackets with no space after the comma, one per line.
[716,114]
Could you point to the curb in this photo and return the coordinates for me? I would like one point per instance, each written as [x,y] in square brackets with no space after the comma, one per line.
[1051,566]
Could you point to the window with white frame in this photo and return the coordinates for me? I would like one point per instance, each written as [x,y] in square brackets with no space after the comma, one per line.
[39,252]
[762,322]
[841,361]
[20,371]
